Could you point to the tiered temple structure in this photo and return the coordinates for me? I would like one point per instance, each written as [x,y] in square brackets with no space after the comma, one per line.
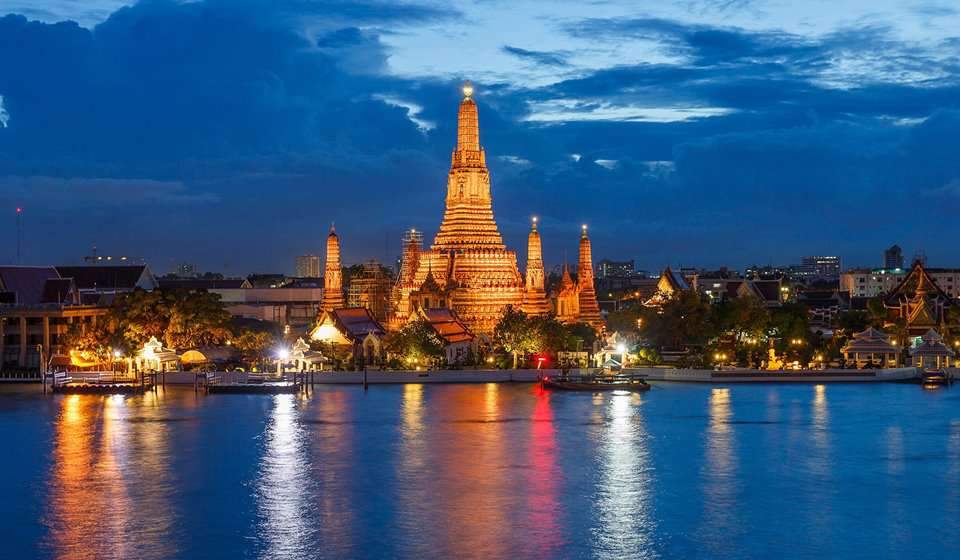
[576,302]
[332,275]
[535,296]
[589,308]
[470,269]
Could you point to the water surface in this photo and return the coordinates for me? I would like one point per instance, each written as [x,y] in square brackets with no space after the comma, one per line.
[484,471]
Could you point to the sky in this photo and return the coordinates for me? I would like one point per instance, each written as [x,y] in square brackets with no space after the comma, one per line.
[232,133]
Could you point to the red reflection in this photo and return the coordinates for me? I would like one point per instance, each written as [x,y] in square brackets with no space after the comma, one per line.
[544,479]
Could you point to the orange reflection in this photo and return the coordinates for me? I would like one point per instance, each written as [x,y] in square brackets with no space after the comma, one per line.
[96,502]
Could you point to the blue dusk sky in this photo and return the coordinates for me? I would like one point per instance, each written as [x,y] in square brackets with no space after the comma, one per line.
[231,133]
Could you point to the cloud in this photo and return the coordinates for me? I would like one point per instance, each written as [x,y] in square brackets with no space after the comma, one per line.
[270,119]
[542,58]
[4,115]
[79,192]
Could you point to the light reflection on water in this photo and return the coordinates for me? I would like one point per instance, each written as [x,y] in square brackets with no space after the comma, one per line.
[284,485]
[625,525]
[720,477]
[109,478]
[488,471]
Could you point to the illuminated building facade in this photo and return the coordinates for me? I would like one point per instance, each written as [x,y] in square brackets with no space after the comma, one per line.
[469,269]
[333,275]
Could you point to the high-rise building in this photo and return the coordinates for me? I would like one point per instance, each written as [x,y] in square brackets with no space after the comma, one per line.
[614,269]
[893,258]
[826,267]
[308,266]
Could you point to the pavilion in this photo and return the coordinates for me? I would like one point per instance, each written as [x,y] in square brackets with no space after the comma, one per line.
[871,347]
[932,353]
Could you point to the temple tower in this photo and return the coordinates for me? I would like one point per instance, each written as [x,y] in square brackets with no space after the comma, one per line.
[468,260]
[535,297]
[333,274]
[589,309]
[468,218]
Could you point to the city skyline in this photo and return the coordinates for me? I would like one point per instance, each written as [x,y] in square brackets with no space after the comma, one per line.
[705,133]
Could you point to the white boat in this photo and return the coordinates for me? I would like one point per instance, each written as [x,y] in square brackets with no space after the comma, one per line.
[745,375]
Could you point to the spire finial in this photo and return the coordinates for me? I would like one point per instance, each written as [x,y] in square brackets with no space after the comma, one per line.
[583,230]
[467,89]
[534,223]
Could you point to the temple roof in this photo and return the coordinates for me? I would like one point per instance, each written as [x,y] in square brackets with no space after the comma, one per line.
[917,282]
[447,325]
[870,340]
[356,322]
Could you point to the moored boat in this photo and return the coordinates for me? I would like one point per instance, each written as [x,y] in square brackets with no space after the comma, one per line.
[596,382]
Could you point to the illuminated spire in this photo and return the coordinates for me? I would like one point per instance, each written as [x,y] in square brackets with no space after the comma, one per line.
[333,274]
[468,126]
[589,309]
[535,297]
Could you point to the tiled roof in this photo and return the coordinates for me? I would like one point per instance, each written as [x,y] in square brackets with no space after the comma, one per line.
[27,283]
[203,283]
[448,326]
[357,322]
[119,277]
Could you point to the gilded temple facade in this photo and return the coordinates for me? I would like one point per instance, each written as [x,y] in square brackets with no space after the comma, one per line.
[333,275]
[468,268]
[576,302]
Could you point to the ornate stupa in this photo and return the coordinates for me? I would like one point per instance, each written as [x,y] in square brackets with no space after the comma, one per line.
[576,302]
[333,275]
[469,265]
[534,296]
[589,309]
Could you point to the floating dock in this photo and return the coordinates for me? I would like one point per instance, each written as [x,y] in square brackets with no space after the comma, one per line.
[268,388]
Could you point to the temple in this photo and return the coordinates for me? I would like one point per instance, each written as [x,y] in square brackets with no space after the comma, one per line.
[918,303]
[535,296]
[576,302]
[468,269]
[332,275]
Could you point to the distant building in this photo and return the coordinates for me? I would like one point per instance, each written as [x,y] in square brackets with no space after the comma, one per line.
[186,270]
[94,283]
[37,308]
[821,267]
[614,269]
[865,283]
[308,266]
[893,258]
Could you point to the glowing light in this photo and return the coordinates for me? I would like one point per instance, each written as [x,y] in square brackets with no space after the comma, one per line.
[467,89]
[283,353]
[621,348]
[117,354]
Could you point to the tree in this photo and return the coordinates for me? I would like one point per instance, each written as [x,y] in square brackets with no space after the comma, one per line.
[515,333]
[196,319]
[683,320]
[415,343]
[624,320]
[253,344]
[94,342]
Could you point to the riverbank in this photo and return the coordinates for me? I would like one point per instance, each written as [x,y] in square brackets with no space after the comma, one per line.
[744,375]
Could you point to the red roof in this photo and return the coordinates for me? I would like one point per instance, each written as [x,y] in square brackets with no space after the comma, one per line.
[357,322]
[448,326]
